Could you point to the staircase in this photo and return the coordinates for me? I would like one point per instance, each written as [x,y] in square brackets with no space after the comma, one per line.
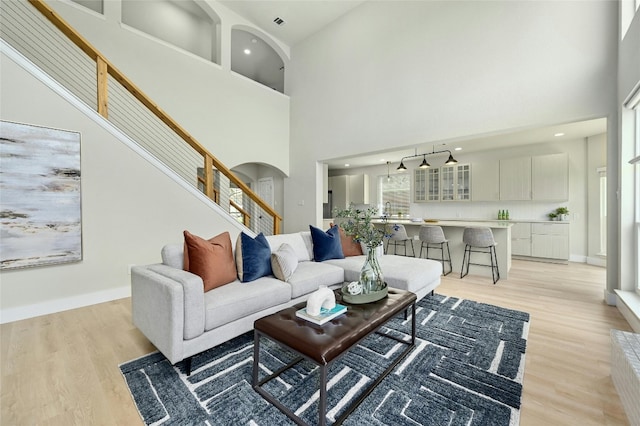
[42,36]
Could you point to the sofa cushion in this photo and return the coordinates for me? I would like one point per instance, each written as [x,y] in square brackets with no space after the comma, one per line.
[253,257]
[326,245]
[296,242]
[349,246]
[211,260]
[238,300]
[308,243]
[405,273]
[309,276]
[173,255]
[284,262]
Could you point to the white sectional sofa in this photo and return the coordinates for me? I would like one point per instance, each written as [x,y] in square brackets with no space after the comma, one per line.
[172,310]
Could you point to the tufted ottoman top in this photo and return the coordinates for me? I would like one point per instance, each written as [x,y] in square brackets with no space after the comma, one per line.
[324,343]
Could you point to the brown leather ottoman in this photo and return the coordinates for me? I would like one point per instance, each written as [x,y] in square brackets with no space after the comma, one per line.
[326,343]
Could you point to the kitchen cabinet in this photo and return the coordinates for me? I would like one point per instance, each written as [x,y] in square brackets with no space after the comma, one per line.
[347,189]
[550,240]
[358,189]
[485,179]
[521,239]
[550,177]
[426,185]
[339,190]
[447,183]
[515,179]
[541,178]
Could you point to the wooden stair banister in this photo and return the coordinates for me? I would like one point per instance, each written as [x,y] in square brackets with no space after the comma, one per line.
[104,68]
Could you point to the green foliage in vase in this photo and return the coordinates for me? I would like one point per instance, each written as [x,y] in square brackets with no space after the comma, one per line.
[358,224]
[562,210]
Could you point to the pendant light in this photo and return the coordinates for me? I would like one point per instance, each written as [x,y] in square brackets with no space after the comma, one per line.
[401,166]
[424,164]
[451,160]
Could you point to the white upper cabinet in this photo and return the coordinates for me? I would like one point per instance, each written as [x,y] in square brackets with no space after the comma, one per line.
[485,181]
[515,179]
[349,189]
[447,183]
[358,189]
[550,177]
[542,177]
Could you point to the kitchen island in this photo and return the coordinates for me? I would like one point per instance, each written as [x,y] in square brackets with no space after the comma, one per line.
[453,230]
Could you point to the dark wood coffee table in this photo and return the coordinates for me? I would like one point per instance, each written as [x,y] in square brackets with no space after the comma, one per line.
[324,344]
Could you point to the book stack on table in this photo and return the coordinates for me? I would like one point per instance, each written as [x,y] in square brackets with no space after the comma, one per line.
[326,315]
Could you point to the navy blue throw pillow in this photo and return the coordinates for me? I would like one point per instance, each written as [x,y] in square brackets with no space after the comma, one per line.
[253,257]
[326,245]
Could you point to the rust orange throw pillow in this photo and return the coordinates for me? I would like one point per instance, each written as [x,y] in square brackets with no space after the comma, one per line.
[349,247]
[212,260]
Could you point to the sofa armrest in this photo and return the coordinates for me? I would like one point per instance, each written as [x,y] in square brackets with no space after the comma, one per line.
[167,306]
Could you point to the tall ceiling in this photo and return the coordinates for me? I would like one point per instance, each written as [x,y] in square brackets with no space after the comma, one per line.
[306,17]
[301,17]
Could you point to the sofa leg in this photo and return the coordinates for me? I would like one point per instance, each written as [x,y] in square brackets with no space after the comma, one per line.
[187,365]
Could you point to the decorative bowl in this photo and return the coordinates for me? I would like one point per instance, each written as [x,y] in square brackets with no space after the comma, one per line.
[431,220]
[359,299]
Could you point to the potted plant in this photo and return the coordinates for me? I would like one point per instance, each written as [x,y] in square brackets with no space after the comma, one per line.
[562,212]
[552,215]
[358,224]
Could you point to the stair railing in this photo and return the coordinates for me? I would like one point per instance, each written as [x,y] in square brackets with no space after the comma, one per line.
[210,163]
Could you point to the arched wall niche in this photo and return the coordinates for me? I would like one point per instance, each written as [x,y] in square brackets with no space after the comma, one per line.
[256,56]
[182,23]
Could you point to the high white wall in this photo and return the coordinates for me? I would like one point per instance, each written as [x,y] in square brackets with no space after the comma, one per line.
[236,119]
[130,209]
[394,74]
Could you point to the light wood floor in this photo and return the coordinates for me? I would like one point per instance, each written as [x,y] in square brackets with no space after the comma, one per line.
[62,369]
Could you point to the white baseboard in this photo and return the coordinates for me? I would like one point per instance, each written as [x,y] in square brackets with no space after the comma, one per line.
[597,261]
[577,258]
[59,305]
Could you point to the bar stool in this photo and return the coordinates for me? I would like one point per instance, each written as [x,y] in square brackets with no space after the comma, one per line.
[399,236]
[432,236]
[480,239]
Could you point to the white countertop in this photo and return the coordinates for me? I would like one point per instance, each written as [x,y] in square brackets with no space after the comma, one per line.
[468,222]
[458,223]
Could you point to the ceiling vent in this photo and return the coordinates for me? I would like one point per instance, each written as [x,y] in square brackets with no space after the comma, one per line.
[279,21]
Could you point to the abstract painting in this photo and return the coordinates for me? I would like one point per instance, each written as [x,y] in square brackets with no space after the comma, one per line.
[40,214]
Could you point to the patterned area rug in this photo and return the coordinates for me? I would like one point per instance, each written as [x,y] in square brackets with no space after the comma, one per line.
[466,369]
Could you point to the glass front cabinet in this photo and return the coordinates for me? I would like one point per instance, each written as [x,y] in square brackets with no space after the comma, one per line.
[447,183]
[426,185]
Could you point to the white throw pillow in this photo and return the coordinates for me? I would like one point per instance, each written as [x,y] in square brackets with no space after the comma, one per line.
[294,240]
[284,262]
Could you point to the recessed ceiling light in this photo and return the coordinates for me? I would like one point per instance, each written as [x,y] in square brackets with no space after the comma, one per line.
[457,149]
[557,135]
[253,40]
[382,160]
[247,51]
[347,164]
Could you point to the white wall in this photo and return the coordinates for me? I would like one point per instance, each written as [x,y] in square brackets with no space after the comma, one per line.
[394,74]
[236,119]
[125,219]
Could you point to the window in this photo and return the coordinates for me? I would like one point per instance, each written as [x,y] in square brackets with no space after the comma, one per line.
[637,195]
[603,211]
[394,193]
